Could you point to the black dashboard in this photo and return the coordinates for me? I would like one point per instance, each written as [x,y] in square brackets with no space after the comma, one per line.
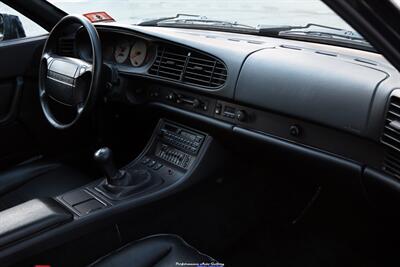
[329,99]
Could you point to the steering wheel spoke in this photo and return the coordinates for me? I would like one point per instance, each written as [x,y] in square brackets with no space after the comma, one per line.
[79,108]
[47,57]
[42,94]
[84,68]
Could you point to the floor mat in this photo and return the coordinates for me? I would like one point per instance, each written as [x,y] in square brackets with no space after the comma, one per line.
[331,235]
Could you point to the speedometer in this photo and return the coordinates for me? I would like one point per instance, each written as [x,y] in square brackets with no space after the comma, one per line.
[121,51]
[138,53]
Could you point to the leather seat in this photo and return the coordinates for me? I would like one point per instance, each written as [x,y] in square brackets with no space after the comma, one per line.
[156,250]
[37,179]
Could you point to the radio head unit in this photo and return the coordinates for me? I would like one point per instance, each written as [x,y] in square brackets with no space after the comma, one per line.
[182,138]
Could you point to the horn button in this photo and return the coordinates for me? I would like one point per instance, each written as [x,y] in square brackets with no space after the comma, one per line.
[68,80]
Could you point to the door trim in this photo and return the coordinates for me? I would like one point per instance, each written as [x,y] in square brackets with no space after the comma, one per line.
[13,112]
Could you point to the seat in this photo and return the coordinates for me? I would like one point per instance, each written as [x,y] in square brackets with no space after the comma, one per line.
[157,250]
[37,179]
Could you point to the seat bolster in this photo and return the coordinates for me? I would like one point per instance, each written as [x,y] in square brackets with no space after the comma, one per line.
[157,250]
[20,174]
[41,179]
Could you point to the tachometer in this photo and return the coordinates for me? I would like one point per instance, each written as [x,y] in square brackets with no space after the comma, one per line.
[138,53]
[121,51]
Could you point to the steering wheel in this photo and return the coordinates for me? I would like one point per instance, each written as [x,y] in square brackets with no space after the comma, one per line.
[66,80]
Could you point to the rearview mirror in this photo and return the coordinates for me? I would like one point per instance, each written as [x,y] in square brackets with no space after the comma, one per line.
[10,27]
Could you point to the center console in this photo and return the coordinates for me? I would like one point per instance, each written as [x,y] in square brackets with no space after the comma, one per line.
[173,158]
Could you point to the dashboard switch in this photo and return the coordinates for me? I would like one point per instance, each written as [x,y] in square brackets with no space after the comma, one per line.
[158,166]
[295,130]
[171,96]
[196,103]
[241,115]
[218,109]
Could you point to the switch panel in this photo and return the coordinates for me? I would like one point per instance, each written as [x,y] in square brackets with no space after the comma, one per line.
[173,155]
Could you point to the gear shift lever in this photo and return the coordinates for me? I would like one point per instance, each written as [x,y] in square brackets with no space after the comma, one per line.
[104,159]
[120,181]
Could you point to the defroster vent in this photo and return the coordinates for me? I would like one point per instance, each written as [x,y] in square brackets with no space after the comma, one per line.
[188,67]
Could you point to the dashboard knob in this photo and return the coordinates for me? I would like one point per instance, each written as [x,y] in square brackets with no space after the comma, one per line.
[295,130]
[196,103]
[241,115]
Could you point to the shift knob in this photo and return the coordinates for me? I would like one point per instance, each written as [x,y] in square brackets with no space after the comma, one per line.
[104,158]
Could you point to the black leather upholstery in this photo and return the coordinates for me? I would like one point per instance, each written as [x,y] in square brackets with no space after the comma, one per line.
[29,218]
[157,250]
[37,179]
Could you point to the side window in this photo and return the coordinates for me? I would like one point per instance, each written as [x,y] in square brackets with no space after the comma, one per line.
[14,25]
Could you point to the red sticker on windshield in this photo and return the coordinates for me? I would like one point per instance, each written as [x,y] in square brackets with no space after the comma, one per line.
[99,17]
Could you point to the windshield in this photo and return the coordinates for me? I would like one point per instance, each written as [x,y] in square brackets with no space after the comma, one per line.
[249,12]
[226,14]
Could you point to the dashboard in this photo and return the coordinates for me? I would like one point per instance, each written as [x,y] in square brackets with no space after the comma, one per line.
[329,99]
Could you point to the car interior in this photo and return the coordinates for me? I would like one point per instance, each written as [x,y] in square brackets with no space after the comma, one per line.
[134,145]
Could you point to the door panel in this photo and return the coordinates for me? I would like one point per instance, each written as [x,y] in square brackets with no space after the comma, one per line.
[10,95]
[6,95]
[18,80]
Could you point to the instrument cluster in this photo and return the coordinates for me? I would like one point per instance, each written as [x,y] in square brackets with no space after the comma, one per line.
[121,49]
[132,52]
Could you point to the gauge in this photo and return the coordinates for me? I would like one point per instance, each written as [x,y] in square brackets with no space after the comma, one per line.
[121,52]
[138,53]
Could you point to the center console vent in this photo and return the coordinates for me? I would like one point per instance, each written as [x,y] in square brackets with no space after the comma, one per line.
[391,137]
[189,67]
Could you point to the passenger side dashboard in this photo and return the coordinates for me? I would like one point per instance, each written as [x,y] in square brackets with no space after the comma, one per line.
[317,97]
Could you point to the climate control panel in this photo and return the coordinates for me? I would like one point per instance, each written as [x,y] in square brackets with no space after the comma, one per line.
[178,145]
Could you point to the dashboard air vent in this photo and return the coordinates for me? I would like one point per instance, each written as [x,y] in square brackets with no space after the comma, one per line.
[66,47]
[204,70]
[391,137]
[188,67]
[169,63]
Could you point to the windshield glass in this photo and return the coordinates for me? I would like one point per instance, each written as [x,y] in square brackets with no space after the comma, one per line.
[310,19]
[249,12]
[396,3]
